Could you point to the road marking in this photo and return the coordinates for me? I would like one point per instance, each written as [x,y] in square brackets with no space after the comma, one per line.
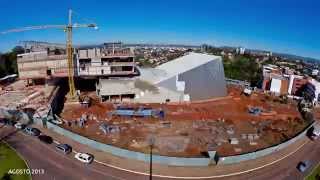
[197,177]
[204,177]
[315,168]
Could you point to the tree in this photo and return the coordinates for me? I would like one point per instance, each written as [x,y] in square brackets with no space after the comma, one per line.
[17,50]
[243,68]
[8,61]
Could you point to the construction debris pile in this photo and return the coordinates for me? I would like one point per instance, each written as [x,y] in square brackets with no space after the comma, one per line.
[19,96]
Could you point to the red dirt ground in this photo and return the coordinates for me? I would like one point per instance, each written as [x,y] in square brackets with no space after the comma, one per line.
[196,127]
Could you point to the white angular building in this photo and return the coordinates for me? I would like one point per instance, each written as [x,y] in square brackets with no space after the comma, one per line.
[192,77]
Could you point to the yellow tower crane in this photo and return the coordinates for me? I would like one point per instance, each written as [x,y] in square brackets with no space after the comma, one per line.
[68,29]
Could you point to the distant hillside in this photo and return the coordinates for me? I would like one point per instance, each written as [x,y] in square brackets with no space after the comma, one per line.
[296,57]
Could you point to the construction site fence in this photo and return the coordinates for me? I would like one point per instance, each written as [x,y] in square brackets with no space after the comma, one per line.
[173,161]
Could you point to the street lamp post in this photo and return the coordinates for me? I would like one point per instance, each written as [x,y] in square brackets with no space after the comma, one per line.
[150,176]
[151,142]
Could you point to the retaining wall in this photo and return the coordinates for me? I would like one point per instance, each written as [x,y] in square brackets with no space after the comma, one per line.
[174,161]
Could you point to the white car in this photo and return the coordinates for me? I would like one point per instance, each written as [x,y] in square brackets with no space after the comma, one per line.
[20,125]
[84,157]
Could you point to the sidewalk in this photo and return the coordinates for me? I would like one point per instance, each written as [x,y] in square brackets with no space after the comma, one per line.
[142,167]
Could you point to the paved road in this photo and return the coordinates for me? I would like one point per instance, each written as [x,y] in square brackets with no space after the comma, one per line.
[286,169]
[59,166]
[56,165]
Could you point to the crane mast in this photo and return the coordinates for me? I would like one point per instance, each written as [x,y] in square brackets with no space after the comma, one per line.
[68,29]
[72,89]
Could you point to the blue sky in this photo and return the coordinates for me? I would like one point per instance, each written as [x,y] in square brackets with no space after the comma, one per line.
[288,26]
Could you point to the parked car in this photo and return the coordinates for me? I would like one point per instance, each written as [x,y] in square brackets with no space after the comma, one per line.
[3,121]
[314,132]
[19,126]
[65,148]
[303,166]
[32,131]
[84,157]
[11,123]
[46,139]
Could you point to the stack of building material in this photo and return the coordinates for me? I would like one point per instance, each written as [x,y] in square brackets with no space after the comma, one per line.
[255,111]
[106,128]
[234,141]
[140,112]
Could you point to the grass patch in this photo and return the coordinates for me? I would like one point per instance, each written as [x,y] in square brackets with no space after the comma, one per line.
[9,159]
[315,174]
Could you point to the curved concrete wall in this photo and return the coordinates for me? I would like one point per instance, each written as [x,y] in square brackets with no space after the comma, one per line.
[174,161]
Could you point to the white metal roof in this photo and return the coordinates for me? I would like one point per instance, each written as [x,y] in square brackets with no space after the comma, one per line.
[175,67]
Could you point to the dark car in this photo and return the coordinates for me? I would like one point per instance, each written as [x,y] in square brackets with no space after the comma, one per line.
[46,139]
[303,166]
[11,123]
[32,131]
[65,148]
[3,121]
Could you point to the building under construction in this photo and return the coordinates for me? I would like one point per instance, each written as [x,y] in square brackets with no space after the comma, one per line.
[192,77]
[45,61]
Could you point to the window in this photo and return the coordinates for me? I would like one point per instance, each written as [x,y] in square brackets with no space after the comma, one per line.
[49,73]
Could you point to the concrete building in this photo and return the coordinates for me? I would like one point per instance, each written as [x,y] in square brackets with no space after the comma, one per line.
[316,91]
[241,50]
[52,62]
[315,72]
[192,77]
[282,82]
[296,83]
[105,62]
[42,64]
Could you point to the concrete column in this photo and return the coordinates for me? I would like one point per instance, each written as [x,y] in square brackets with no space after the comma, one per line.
[133,65]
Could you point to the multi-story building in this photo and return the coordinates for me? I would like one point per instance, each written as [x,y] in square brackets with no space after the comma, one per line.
[109,60]
[42,64]
[296,83]
[283,81]
[105,61]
